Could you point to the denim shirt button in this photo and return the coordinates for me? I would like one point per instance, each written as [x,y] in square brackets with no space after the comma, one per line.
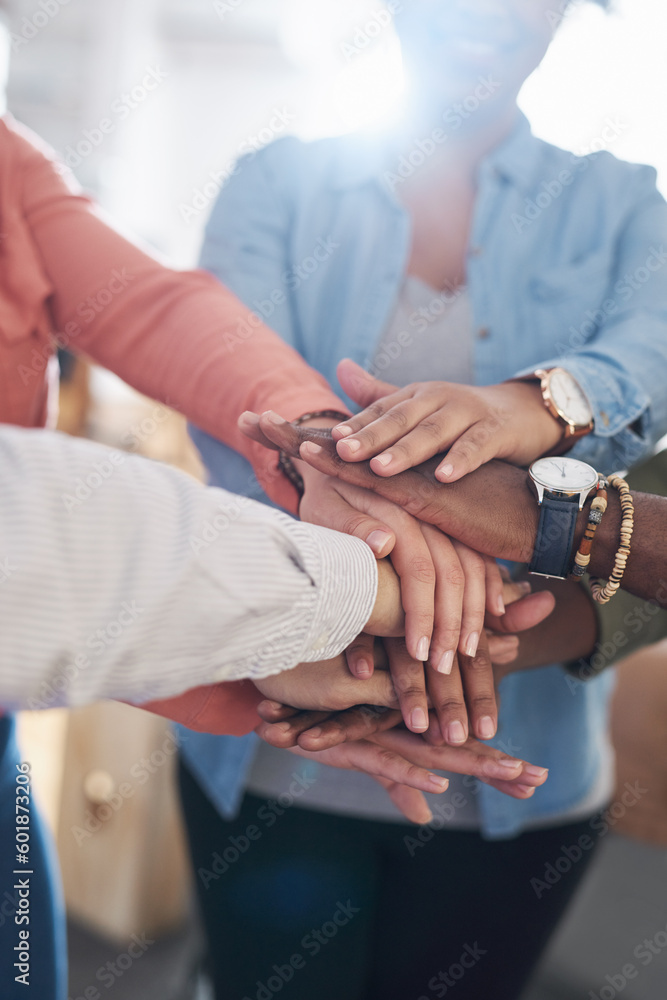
[484,333]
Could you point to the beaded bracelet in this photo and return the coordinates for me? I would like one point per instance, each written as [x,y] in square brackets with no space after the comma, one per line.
[603,594]
[598,508]
[285,463]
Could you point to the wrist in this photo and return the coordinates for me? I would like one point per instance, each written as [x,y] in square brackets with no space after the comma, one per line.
[527,397]
[387,617]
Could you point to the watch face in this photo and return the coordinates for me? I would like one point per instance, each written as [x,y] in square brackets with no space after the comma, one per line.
[569,398]
[564,475]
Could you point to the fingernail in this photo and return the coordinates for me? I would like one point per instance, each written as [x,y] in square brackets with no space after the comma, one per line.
[456,733]
[527,789]
[441,783]
[422,649]
[446,663]
[525,586]
[282,727]
[487,727]
[378,540]
[343,430]
[384,460]
[273,418]
[509,641]
[363,669]
[509,764]
[314,733]
[352,446]
[500,605]
[535,772]
[445,471]
[310,448]
[473,643]
[419,720]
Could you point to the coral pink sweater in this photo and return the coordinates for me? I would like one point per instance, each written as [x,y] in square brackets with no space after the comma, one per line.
[68,278]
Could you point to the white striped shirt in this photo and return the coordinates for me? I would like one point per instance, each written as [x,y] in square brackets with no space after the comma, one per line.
[124,578]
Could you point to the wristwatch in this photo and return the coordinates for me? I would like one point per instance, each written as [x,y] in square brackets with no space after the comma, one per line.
[566,402]
[562,485]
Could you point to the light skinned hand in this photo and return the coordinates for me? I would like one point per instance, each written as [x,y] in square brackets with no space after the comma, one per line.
[493,510]
[401,428]
[405,758]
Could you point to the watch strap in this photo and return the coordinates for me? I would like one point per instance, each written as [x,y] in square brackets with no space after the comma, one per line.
[555,536]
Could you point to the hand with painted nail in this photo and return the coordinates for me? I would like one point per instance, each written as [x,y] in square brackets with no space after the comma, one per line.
[401,428]
[407,760]
[445,587]
[493,510]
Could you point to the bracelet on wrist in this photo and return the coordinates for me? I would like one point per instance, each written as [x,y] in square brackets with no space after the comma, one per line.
[285,463]
[602,593]
[595,514]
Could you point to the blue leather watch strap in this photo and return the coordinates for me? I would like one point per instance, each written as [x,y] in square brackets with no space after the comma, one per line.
[555,535]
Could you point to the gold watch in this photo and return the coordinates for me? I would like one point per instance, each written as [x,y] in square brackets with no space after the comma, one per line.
[566,401]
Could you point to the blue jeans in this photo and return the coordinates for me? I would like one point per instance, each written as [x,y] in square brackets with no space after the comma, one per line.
[34,900]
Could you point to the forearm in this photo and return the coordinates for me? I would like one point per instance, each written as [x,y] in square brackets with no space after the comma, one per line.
[179,337]
[126,579]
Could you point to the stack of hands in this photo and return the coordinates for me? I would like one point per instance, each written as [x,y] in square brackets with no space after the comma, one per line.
[418,690]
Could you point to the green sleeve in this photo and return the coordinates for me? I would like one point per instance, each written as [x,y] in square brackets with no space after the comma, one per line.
[627,623]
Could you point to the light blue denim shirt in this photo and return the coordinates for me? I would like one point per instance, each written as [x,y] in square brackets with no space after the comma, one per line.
[566,266]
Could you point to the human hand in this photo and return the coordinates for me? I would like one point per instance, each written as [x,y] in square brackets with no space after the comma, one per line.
[473,424]
[327,686]
[405,758]
[285,726]
[493,509]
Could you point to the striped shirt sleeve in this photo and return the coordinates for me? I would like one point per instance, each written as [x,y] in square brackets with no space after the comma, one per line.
[124,578]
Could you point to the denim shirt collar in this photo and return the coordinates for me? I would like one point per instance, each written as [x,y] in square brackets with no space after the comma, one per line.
[367,158]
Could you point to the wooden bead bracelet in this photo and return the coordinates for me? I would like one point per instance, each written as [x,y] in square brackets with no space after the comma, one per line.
[603,593]
[595,514]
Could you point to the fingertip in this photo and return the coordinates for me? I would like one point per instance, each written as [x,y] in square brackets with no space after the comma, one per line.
[362,669]
[248,418]
[445,472]
[381,542]
[309,448]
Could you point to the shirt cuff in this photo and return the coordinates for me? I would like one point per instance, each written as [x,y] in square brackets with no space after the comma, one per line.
[345,572]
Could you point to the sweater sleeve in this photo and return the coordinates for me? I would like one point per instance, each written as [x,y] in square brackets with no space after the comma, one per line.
[179,337]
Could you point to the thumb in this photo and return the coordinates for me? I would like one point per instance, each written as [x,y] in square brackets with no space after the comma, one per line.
[524,614]
[356,382]
[339,514]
